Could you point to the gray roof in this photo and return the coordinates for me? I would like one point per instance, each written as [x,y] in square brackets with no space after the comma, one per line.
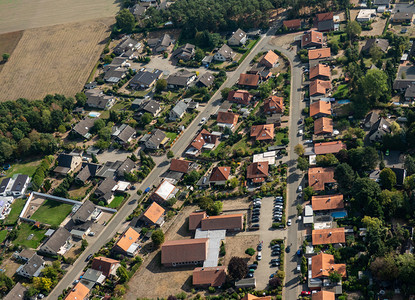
[383,44]
[151,106]
[4,184]
[17,292]
[146,78]
[33,265]
[19,183]
[84,212]
[400,175]
[126,44]
[126,167]
[138,10]
[381,2]
[88,170]
[206,79]
[325,25]
[157,137]
[372,118]
[407,16]
[410,92]
[109,169]
[124,132]
[98,101]
[186,51]
[164,41]
[226,51]
[239,35]
[105,186]
[83,127]
[382,126]
[403,83]
[180,78]
[57,239]
[91,275]
[65,160]
[114,74]
[180,108]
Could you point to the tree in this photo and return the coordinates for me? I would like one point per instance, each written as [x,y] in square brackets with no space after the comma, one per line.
[353,29]
[233,182]
[237,268]
[122,274]
[42,283]
[409,165]
[302,163]
[326,160]
[161,85]
[345,176]
[6,56]
[98,125]
[308,192]
[375,53]
[84,244]
[6,283]
[274,282]
[170,154]
[224,92]
[119,290]
[299,150]
[384,268]
[191,178]
[157,237]
[146,118]
[366,194]
[199,54]
[374,84]
[250,251]
[215,209]
[387,178]
[125,21]
[335,276]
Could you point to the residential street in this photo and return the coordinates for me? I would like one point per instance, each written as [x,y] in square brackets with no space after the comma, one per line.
[178,148]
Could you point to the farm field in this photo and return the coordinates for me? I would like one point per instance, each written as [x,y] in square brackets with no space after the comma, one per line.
[9,41]
[52,212]
[24,14]
[54,59]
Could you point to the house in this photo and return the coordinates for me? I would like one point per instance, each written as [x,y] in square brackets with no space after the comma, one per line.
[82,127]
[178,110]
[400,175]
[381,3]
[152,107]
[209,276]
[106,265]
[204,140]
[97,99]
[319,87]
[58,243]
[114,74]
[274,105]
[145,79]
[320,109]
[79,292]
[88,171]
[312,39]
[323,295]
[138,11]
[86,212]
[154,215]
[206,80]
[319,71]
[328,147]
[274,119]
[184,252]
[323,126]
[382,44]
[248,80]
[225,53]
[327,202]
[238,38]
[180,79]
[269,60]
[240,97]
[261,70]
[20,184]
[262,132]
[233,222]
[180,165]
[322,264]
[403,17]
[328,236]
[195,219]
[17,292]
[67,163]
[320,54]
[257,172]
[319,178]
[253,297]
[227,119]
[371,119]
[401,85]
[32,268]
[127,243]
[379,129]
[246,283]
[220,175]
[24,255]
[325,22]
[156,139]
[164,192]
[410,94]
[292,24]
[105,189]
[127,44]
[185,52]
[5,186]
[163,44]
[366,15]
[92,277]
[123,134]
[125,167]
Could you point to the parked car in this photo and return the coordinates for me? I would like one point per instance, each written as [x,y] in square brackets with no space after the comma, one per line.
[275,260]
[289,222]
[253,266]
[91,233]
[288,249]
[308,141]
[305,293]
[299,252]
[300,188]
[259,256]
[255,220]
[259,247]
[88,257]
[300,132]
[298,268]
[276,246]
[275,264]
[275,253]
[202,121]
[300,121]
[254,227]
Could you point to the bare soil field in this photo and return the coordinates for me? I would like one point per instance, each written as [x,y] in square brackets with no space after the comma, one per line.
[24,14]
[9,41]
[53,59]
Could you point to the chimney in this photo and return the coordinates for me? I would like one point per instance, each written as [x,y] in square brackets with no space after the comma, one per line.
[330,233]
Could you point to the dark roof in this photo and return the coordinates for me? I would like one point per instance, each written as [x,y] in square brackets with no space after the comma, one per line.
[83,127]
[186,51]
[381,2]
[157,137]
[106,186]
[57,239]
[19,182]
[33,264]
[146,78]
[403,16]
[83,226]
[88,170]
[125,45]
[151,106]
[383,44]
[65,160]
[325,25]
[126,167]
[381,125]
[371,118]
[109,169]
[403,83]
[17,292]
[180,78]
[104,264]
[410,92]
[4,184]
[206,79]
[114,72]
[124,132]
[84,212]
[400,175]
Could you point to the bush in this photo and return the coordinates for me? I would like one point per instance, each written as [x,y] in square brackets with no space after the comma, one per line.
[211,289]
[250,251]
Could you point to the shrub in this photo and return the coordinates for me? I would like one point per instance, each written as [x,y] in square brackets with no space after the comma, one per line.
[211,289]
[250,251]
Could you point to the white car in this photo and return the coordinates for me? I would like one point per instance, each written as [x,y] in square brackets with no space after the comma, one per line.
[202,121]
[300,188]
[259,256]
[289,222]
[91,233]
[308,141]
[300,132]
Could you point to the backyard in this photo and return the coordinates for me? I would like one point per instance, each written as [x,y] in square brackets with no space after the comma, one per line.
[116,202]
[52,212]
[17,207]
[29,236]
[342,92]
[3,235]
[26,168]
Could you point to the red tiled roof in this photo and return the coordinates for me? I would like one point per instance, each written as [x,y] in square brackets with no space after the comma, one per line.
[327,202]
[325,16]
[220,174]
[154,212]
[253,297]
[79,292]
[319,87]
[227,118]
[230,222]
[296,23]
[274,104]
[248,80]
[270,58]
[323,295]
[319,53]
[179,165]
[328,236]
[258,171]
[184,251]
[104,264]
[319,70]
[262,132]
[329,147]
[127,239]
[318,177]
[212,276]
[312,36]
[323,126]
[202,138]
[320,107]
[322,264]
[195,219]
[240,96]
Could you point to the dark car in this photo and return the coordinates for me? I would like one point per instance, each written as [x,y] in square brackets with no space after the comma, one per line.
[300,121]
[250,275]
[256,209]
[274,260]
[275,264]
[255,220]
[275,253]
[259,247]
[253,266]
[88,257]
[288,249]
[299,252]
[254,227]
[277,246]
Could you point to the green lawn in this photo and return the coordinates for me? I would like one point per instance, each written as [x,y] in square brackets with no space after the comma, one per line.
[116,202]
[27,168]
[278,138]
[3,235]
[25,231]
[52,212]
[342,92]
[171,135]
[17,207]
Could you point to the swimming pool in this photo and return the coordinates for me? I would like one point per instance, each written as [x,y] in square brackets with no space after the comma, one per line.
[94,114]
[339,214]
